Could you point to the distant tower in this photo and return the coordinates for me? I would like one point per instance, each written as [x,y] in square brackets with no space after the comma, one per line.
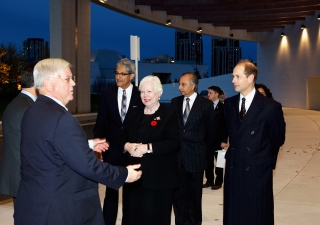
[35,49]
[225,55]
[188,47]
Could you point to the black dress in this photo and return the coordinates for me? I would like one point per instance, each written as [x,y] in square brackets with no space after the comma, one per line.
[142,206]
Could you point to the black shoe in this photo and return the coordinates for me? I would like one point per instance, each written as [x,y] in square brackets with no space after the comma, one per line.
[216,187]
[206,185]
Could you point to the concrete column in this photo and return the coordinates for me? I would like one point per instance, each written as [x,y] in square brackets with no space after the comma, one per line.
[70,40]
[313,87]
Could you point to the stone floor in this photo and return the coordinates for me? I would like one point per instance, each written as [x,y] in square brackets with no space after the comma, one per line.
[296,178]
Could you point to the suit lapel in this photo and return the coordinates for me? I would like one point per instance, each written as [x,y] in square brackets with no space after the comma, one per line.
[134,95]
[251,115]
[196,105]
[114,101]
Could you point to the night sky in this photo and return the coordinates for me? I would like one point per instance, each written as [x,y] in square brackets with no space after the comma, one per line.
[21,19]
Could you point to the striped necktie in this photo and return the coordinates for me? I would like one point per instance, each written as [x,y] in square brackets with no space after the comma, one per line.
[123,105]
[186,111]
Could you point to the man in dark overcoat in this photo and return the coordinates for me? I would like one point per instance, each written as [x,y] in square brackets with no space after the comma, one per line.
[256,130]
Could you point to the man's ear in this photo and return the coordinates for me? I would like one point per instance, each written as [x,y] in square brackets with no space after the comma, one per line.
[47,83]
[132,76]
[251,78]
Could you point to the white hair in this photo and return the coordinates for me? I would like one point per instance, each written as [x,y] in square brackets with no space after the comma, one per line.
[155,80]
[48,68]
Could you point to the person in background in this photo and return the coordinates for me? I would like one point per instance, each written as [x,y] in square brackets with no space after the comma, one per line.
[117,102]
[151,138]
[59,171]
[11,128]
[256,129]
[195,117]
[264,90]
[218,140]
[222,96]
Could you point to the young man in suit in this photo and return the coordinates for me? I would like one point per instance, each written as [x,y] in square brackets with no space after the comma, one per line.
[195,116]
[217,141]
[11,125]
[256,131]
[59,171]
[117,103]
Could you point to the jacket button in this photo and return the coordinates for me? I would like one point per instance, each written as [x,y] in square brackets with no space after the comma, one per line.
[252,132]
[247,169]
[231,167]
[248,149]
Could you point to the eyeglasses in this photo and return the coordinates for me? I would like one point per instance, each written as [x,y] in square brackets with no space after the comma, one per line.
[122,74]
[66,79]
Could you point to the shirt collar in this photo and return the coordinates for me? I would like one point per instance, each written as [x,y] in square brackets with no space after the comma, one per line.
[191,97]
[57,101]
[250,96]
[129,89]
[34,98]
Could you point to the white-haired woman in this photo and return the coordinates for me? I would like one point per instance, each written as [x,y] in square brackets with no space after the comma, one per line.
[151,137]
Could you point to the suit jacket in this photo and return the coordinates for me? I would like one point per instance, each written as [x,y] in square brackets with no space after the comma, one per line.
[109,124]
[160,168]
[251,156]
[218,132]
[195,133]
[11,125]
[59,172]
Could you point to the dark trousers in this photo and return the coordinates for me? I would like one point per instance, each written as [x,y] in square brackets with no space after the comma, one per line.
[110,206]
[142,206]
[187,198]
[210,167]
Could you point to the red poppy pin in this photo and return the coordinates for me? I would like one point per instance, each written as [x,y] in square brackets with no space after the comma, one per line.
[154,123]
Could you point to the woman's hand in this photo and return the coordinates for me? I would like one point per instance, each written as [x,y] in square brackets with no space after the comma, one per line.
[141,148]
[132,149]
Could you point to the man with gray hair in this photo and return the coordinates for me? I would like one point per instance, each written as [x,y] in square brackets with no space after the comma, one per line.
[59,171]
[195,117]
[117,102]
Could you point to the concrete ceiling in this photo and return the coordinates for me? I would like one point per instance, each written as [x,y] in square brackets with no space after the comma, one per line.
[248,20]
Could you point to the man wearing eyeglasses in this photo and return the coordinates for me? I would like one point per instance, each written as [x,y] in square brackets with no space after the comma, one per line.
[116,103]
[59,171]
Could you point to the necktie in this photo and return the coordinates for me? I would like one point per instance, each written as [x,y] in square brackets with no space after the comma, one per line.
[243,108]
[123,105]
[186,111]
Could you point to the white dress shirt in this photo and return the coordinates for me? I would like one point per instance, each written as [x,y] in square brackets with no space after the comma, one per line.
[128,93]
[191,101]
[249,99]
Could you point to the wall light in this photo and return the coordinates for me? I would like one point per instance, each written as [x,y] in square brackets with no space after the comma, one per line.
[199,30]
[103,1]
[303,27]
[283,34]
[319,17]
[168,22]
[231,35]
[137,11]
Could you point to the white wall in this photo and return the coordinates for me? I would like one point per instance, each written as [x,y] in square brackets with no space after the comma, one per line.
[285,63]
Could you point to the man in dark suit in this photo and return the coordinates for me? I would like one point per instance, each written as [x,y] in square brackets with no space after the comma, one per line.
[117,102]
[218,140]
[195,116]
[59,172]
[11,125]
[256,131]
